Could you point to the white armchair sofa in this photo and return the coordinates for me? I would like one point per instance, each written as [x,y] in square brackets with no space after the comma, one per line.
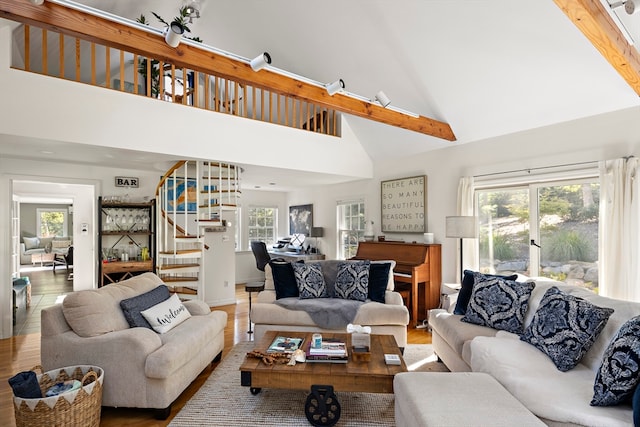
[390,318]
[143,369]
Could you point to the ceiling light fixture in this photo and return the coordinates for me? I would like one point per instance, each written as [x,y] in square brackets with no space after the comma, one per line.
[630,6]
[335,87]
[173,34]
[37,2]
[260,61]
[382,99]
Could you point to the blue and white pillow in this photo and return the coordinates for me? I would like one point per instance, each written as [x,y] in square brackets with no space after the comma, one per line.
[499,303]
[310,280]
[565,327]
[352,281]
[619,374]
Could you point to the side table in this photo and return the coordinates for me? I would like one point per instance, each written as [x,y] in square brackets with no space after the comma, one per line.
[252,287]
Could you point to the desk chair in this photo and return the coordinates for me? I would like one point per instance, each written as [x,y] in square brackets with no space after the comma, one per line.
[259,250]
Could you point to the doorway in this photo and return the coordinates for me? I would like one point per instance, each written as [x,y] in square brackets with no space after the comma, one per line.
[74,198]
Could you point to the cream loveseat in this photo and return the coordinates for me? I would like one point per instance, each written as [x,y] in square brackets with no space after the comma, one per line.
[390,317]
[557,398]
[143,368]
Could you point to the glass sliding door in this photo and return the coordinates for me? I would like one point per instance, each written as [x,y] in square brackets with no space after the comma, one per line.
[548,229]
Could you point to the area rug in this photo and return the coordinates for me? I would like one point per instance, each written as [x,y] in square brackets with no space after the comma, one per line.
[223,401]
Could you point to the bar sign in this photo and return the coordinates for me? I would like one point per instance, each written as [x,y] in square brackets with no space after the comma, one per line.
[127,181]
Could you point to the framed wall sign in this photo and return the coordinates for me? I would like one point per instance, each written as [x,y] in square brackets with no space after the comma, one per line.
[300,219]
[403,203]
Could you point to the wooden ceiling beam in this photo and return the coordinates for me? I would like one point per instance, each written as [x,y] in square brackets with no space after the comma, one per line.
[58,18]
[591,17]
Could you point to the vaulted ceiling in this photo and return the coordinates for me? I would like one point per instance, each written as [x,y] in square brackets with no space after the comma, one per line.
[485,67]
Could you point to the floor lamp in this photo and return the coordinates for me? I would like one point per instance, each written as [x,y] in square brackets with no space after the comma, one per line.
[462,227]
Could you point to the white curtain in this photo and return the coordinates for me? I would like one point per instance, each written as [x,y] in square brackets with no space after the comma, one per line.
[619,269]
[466,208]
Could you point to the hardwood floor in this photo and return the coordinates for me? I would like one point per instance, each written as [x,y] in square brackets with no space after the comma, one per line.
[22,352]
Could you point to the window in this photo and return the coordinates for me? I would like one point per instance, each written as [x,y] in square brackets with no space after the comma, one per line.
[263,225]
[350,227]
[544,229]
[51,222]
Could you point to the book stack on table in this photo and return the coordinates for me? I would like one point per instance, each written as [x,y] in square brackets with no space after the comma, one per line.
[332,351]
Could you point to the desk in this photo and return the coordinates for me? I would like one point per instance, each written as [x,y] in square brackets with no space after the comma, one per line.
[293,256]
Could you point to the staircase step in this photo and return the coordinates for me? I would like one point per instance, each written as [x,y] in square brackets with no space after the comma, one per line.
[178,266]
[175,279]
[183,290]
[181,254]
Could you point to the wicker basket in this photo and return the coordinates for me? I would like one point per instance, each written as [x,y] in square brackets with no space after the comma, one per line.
[74,408]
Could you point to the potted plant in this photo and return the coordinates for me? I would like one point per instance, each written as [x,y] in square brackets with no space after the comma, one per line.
[183,20]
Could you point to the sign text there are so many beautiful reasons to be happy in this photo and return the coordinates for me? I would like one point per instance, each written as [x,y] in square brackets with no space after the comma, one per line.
[403,205]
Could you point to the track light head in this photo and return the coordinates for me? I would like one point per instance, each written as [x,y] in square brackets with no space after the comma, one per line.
[335,87]
[37,2]
[260,61]
[631,7]
[383,99]
[174,34]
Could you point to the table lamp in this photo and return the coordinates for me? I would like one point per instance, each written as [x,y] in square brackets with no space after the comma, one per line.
[315,233]
[461,227]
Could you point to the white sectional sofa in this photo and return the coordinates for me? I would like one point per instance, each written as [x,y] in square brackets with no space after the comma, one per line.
[557,398]
[390,317]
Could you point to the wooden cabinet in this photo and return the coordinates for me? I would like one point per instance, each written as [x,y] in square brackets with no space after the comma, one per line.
[126,239]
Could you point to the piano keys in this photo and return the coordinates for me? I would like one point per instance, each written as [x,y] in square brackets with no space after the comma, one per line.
[417,264]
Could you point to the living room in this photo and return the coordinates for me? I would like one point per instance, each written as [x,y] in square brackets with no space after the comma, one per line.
[580,134]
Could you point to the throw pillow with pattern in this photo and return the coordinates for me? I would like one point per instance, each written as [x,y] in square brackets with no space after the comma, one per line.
[565,327]
[619,373]
[468,282]
[499,304]
[352,281]
[310,280]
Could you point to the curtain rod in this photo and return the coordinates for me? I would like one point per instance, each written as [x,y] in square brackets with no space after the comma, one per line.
[528,170]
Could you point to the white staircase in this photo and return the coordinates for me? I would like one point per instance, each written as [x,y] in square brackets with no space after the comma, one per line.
[191,196]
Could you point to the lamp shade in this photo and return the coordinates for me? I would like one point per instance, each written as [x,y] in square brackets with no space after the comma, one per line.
[317,232]
[461,226]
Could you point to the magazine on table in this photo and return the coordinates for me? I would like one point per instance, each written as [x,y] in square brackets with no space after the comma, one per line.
[283,344]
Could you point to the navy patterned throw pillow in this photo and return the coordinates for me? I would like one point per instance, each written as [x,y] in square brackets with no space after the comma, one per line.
[310,280]
[619,373]
[352,281]
[468,282]
[565,327]
[499,304]
[378,280]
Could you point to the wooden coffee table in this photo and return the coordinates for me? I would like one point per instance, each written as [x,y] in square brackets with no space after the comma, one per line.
[322,407]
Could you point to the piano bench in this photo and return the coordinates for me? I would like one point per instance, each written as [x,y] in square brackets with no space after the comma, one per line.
[405,292]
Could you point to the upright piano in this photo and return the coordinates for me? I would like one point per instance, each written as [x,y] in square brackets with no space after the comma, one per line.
[417,264]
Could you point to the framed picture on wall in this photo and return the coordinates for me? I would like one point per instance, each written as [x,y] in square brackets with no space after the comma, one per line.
[182,195]
[300,219]
[403,204]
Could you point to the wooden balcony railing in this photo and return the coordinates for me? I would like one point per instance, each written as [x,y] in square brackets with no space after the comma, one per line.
[57,55]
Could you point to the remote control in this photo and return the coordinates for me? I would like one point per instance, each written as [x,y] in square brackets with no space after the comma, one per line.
[391,359]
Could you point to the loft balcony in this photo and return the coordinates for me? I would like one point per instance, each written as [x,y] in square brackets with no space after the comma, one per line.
[54,54]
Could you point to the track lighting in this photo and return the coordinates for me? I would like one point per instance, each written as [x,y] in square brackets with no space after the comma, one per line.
[260,61]
[192,11]
[174,34]
[37,2]
[335,87]
[630,6]
[383,99]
